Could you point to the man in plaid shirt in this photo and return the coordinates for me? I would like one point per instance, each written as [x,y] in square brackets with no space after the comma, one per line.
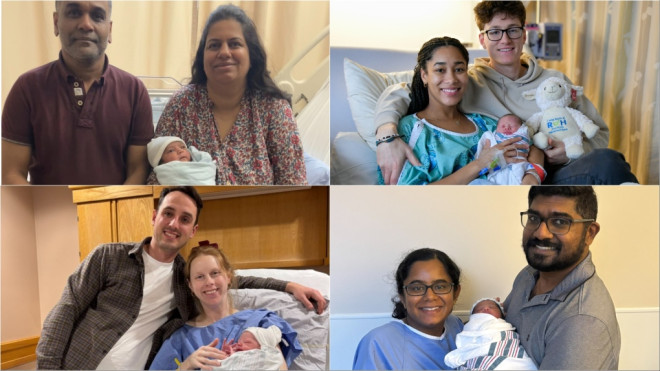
[126,298]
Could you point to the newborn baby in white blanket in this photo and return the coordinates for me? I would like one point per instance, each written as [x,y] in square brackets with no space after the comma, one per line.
[256,349]
[488,342]
[176,164]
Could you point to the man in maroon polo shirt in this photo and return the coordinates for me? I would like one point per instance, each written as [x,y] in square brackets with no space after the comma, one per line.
[77,120]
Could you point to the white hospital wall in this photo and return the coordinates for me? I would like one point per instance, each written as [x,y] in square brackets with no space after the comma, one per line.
[400,25]
[371,228]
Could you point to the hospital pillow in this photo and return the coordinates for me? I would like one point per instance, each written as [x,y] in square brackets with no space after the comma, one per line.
[363,86]
[353,161]
[312,328]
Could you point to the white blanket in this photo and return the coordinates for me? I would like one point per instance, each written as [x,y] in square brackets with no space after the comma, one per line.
[200,171]
[266,358]
[508,174]
[477,340]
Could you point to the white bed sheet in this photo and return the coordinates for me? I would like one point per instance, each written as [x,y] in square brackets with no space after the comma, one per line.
[313,329]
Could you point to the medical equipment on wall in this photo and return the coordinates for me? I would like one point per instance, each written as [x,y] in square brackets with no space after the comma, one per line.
[545,40]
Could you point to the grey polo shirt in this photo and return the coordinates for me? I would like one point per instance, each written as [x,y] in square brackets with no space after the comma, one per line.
[572,327]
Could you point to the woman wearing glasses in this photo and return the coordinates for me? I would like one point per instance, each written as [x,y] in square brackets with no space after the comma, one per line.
[427,283]
[495,87]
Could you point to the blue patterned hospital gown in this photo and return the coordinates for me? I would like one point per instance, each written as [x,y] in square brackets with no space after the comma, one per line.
[440,151]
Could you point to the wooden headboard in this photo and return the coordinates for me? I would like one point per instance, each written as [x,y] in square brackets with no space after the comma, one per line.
[257,227]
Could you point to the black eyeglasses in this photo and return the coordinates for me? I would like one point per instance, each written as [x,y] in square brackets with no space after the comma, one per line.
[496,34]
[556,225]
[419,289]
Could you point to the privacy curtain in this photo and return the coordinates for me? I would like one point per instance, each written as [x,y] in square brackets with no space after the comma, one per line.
[612,48]
[159,38]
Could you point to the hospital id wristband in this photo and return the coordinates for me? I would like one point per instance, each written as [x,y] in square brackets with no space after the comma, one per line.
[540,171]
[537,171]
[535,175]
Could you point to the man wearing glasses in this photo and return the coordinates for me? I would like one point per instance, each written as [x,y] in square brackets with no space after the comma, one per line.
[495,88]
[558,304]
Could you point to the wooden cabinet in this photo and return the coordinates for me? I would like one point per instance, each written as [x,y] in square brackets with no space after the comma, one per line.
[112,214]
[257,227]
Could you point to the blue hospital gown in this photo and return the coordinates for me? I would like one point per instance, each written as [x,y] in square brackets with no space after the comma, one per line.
[188,339]
[397,346]
[440,151]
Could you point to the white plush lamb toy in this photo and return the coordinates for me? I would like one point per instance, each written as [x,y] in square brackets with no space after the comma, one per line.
[557,120]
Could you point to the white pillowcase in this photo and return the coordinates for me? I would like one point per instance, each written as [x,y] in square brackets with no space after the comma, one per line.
[307,277]
[318,173]
[353,161]
[363,86]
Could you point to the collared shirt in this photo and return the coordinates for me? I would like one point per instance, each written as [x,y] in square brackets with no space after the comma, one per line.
[101,301]
[77,136]
[573,327]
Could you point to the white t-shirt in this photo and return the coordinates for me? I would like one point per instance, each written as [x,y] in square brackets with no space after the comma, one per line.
[132,349]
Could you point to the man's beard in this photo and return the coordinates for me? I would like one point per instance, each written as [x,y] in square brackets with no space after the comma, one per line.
[557,263]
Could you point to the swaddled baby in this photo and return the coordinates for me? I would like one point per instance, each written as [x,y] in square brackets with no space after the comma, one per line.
[256,349]
[488,342]
[508,126]
[176,164]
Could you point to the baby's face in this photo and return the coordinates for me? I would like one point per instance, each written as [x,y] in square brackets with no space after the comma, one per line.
[488,306]
[508,125]
[175,151]
[247,341]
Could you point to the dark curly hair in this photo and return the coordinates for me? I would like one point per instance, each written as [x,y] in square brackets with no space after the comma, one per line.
[402,272]
[486,10]
[419,94]
[258,77]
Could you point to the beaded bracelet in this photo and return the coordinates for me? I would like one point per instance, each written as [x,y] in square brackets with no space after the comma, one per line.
[388,139]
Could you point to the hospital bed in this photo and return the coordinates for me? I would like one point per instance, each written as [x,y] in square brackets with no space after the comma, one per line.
[310,97]
[313,329]
[310,101]
[359,76]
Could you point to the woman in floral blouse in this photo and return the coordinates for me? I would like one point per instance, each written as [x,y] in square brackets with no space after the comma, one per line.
[233,109]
